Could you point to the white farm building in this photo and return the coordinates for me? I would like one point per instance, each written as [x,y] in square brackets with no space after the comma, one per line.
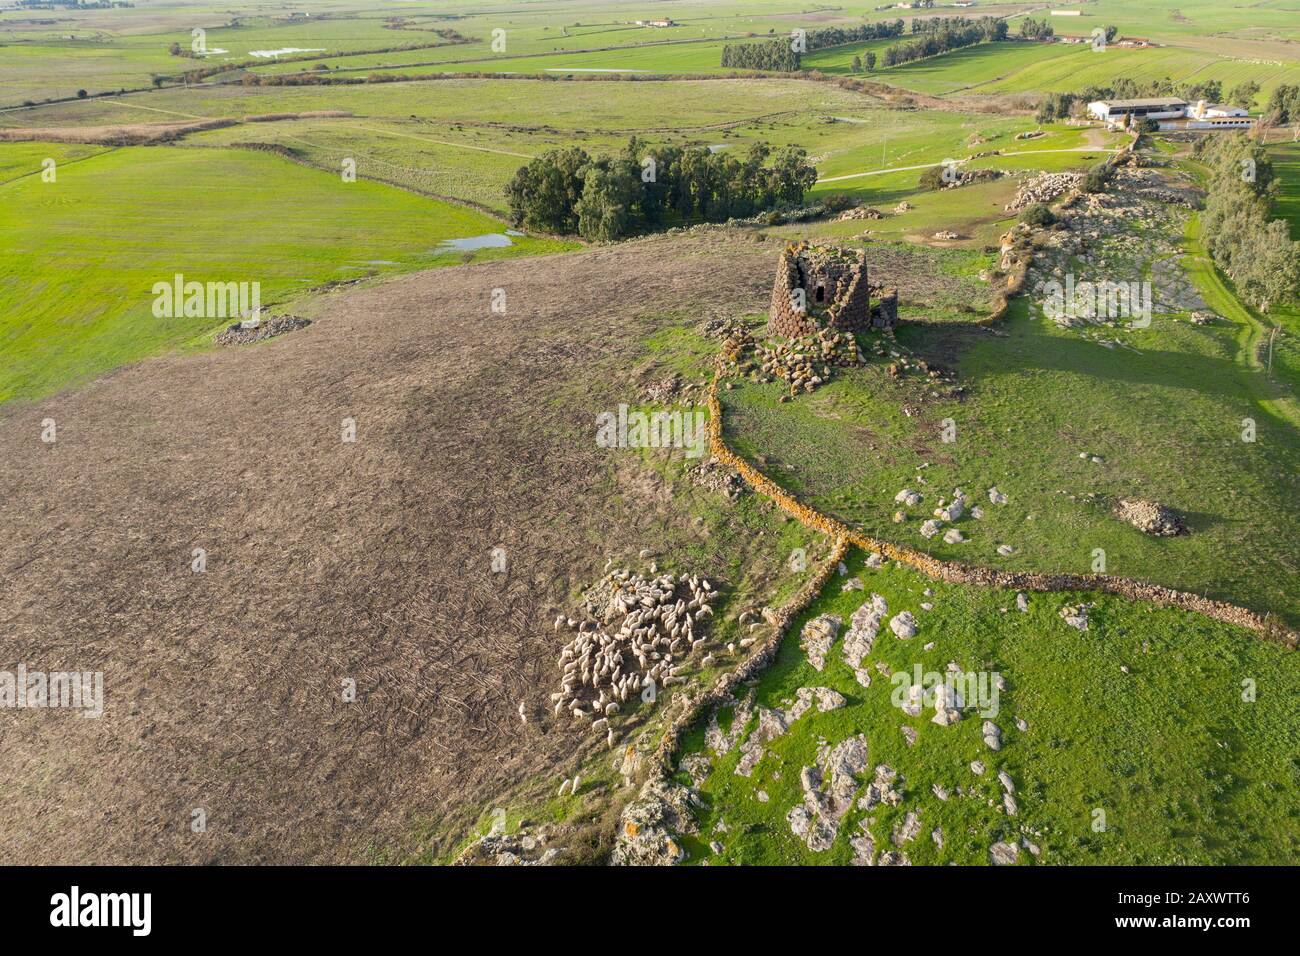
[1116,111]
[1171,113]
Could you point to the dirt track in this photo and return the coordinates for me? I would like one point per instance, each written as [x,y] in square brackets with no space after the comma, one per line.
[326,560]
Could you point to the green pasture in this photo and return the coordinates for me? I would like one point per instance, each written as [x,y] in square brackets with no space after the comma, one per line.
[79,257]
[1164,410]
[1183,769]
[1286,166]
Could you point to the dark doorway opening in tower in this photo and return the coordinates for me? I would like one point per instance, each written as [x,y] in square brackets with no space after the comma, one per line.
[821,294]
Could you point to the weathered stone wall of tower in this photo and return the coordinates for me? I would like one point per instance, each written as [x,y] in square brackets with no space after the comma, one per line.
[820,288]
[783,319]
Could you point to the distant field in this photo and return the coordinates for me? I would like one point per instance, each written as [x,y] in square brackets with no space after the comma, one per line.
[113,49]
[79,257]
[20,160]
[1078,66]
[417,134]
[1182,21]
[1015,67]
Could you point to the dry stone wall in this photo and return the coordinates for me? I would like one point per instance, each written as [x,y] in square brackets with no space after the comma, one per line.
[821,288]
[956,573]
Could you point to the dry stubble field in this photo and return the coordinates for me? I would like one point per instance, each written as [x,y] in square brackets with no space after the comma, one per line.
[328,560]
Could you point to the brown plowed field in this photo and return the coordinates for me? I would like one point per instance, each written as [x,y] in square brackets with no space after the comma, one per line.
[329,560]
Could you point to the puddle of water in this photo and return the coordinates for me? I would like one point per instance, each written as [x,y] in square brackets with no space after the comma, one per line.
[490,240]
[287,49]
[718,147]
[575,69]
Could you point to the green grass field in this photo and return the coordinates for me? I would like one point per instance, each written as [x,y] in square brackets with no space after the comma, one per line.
[126,48]
[1185,770]
[79,257]
[1286,165]
[1165,414]
[417,133]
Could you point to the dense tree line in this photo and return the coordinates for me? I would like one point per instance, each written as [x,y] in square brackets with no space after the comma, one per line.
[838,36]
[940,35]
[779,54]
[1284,104]
[1255,252]
[567,191]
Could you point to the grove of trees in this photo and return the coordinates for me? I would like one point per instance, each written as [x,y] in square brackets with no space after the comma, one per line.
[1032,29]
[779,54]
[1284,104]
[941,35]
[1257,253]
[567,191]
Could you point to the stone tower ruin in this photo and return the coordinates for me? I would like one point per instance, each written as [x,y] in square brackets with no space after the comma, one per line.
[826,288]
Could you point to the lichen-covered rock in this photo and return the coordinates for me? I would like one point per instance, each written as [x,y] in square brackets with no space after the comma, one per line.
[864,625]
[1076,617]
[908,497]
[817,637]
[649,827]
[1004,854]
[906,831]
[903,625]
[828,792]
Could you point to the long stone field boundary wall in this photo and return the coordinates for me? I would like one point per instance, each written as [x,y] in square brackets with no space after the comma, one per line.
[762,655]
[956,573]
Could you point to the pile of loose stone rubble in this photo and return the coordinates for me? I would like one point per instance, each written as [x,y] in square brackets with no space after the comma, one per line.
[512,849]
[1150,517]
[640,631]
[860,212]
[670,390]
[238,335]
[716,476]
[968,177]
[802,363]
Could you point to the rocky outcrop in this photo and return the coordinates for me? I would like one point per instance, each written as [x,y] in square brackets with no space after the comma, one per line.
[828,790]
[650,826]
[817,637]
